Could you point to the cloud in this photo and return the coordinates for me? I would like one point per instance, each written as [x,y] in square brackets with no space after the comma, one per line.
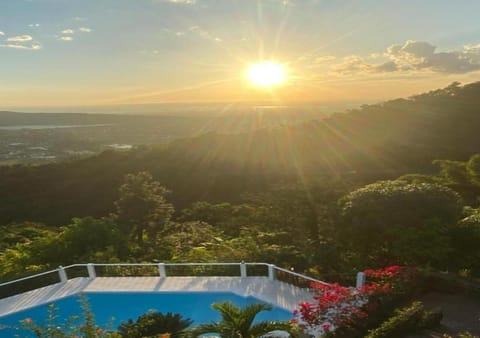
[70,31]
[414,56]
[355,64]
[67,34]
[472,48]
[20,42]
[389,66]
[421,55]
[204,34]
[325,58]
[20,38]
[34,46]
[412,50]
[352,64]
[34,25]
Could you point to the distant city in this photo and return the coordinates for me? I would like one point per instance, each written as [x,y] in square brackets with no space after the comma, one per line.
[44,137]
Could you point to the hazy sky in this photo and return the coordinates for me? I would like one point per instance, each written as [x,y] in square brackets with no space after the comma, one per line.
[89,52]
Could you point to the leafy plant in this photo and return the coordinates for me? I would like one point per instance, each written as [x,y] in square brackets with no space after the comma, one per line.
[70,328]
[343,311]
[153,324]
[238,322]
[407,320]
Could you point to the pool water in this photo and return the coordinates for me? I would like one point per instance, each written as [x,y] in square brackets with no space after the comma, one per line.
[111,309]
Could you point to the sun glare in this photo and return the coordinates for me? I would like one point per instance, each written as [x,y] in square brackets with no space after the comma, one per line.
[267,74]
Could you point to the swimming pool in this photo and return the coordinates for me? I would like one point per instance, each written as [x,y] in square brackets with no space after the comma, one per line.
[112,308]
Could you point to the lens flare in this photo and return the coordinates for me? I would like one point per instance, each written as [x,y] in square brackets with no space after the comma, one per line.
[267,74]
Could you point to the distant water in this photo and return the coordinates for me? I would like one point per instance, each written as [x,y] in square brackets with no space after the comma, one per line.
[51,126]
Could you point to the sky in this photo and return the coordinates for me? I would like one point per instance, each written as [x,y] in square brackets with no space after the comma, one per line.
[114,52]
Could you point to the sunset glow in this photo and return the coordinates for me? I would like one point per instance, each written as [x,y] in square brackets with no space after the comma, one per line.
[60,53]
[267,74]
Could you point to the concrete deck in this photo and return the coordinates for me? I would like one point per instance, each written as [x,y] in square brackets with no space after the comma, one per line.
[277,293]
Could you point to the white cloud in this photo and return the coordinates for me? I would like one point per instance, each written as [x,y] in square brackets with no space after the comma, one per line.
[472,48]
[352,64]
[16,46]
[34,25]
[195,30]
[67,34]
[20,38]
[325,58]
[414,56]
[420,55]
[204,34]
[2,33]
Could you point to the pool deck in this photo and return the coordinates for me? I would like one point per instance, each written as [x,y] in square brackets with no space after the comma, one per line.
[277,293]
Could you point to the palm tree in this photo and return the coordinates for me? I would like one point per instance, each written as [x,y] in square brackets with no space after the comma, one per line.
[238,322]
[154,324]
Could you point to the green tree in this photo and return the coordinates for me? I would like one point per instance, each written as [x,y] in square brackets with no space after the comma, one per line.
[81,241]
[391,222]
[26,232]
[142,206]
[238,322]
[223,216]
[465,238]
[473,169]
[182,238]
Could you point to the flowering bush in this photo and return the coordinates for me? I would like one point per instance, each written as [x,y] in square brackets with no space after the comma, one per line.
[339,309]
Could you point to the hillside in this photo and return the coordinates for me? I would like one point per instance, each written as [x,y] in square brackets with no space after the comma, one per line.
[373,142]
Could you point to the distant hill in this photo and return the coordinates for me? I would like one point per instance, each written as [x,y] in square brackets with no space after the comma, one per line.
[393,136]
[373,142]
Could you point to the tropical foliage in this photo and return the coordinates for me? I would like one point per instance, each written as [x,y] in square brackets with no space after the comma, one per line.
[239,322]
[348,312]
[391,183]
[155,324]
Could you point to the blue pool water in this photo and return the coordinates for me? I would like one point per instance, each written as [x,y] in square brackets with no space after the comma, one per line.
[111,309]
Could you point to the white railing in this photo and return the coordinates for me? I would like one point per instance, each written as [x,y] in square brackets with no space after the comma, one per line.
[162,272]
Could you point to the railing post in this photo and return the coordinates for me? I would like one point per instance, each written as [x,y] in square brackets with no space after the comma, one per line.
[62,274]
[271,271]
[91,271]
[360,280]
[243,269]
[161,270]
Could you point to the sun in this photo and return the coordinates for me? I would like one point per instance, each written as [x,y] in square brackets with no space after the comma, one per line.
[267,74]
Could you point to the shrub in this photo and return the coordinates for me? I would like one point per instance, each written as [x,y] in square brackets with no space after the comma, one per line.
[339,311]
[154,324]
[407,320]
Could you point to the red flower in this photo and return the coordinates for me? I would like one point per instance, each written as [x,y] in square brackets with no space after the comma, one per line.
[346,307]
